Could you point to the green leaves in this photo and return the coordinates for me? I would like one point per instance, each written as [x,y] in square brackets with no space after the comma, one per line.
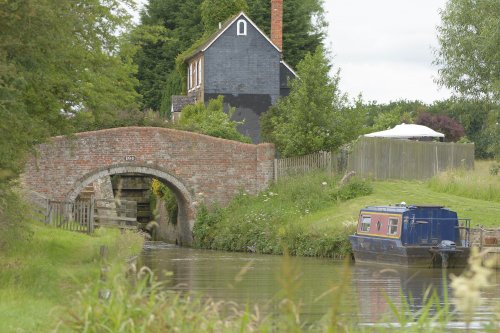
[311,118]
[57,59]
[214,12]
[211,120]
[469,57]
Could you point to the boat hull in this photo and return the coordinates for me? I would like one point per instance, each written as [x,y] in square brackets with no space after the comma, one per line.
[392,252]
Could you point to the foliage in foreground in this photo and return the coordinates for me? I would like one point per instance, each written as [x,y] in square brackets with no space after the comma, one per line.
[273,220]
[43,267]
[137,302]
[58,58]
[211,120]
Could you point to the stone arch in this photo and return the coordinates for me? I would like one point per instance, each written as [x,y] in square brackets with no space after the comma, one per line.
[185,202]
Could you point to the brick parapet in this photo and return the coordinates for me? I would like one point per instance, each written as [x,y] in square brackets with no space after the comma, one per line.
[216,167]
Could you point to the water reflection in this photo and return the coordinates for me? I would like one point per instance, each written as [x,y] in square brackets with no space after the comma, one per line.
[255,279]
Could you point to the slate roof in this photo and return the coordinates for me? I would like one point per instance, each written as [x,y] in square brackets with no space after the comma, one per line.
[213,37]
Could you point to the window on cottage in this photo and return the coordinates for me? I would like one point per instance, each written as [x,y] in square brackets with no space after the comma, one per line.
[189,77]
[198,73]
[193,74]
[392,228]
[242,27]
[365,223]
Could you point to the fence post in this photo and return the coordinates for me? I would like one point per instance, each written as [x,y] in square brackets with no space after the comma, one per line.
[329,162]
[275,170]
[90,228]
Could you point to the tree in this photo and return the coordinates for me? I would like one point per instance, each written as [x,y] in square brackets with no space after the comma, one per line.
[182,26]
[211,120]
[214,12]
[479,119]
[313,117]
[451,128]
[59,58]
[469,57]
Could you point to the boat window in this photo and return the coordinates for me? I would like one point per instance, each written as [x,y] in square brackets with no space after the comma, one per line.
[392,228]
[365,223]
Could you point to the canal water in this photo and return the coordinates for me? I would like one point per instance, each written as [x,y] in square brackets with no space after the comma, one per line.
[246,278]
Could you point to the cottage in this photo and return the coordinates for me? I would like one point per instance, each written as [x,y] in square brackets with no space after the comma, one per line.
[244,65]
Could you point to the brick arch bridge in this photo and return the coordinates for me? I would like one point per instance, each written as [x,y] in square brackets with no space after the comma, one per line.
[198,168]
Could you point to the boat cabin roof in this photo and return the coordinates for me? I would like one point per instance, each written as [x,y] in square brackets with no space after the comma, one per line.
[398,208]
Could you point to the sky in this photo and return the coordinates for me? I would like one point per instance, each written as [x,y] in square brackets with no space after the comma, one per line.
[384,48]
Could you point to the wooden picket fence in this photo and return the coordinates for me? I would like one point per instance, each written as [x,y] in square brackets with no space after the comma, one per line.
[72,216]
[331,162]
[383,159]
[84,215]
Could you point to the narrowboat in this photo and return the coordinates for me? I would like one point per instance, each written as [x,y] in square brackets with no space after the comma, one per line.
[411,235]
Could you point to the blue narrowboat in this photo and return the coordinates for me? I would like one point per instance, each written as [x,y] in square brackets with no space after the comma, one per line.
[411,235]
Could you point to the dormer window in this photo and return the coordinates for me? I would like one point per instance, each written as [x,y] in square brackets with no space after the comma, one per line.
[242,27]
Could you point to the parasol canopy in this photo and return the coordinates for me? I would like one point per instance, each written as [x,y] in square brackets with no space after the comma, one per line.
[407,131]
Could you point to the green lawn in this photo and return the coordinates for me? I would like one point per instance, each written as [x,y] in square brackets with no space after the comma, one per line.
[42,272]
[481,212]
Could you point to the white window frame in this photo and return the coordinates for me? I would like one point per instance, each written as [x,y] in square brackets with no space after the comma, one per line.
[393,222]
[189,77]
[365,220]
[198,73]
[192,76]
[242,23]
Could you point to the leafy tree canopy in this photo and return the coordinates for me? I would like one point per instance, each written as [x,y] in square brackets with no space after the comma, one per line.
[59,58]
[214,12]
[313,117]
[469,56]
[451,128]
[181,21]
[211,120]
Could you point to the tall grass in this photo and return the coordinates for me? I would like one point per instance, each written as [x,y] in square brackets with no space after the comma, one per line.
[45,266]
[277,219]
[476,184]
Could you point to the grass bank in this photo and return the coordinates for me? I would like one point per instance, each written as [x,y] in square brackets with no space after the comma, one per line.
[279,219]
[43,270]
[312,216]
[479,183]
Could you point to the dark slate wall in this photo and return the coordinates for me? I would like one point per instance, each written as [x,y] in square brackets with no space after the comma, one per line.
[249,107]
[242,64]
[246,70]
[285,76]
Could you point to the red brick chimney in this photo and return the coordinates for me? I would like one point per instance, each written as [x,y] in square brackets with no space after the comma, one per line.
[277,22]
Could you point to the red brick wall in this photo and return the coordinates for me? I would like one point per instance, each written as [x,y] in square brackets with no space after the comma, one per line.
[218,168]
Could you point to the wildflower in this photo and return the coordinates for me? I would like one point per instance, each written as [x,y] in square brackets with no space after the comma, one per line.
[324,183]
